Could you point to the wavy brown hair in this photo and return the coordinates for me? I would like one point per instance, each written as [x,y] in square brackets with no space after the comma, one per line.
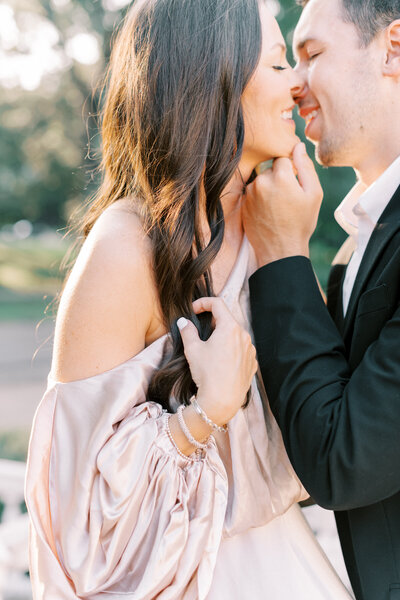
[172,131]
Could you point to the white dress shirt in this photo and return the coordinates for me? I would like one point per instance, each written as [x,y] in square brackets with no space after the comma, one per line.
[358,215]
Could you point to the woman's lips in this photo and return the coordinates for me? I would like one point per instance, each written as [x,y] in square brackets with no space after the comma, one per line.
[287,116]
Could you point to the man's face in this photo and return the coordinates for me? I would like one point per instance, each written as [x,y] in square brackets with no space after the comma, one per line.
[340,98]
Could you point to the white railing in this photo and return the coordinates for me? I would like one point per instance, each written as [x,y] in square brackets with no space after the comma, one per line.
[14,530]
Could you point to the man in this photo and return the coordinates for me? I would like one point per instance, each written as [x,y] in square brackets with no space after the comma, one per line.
[332,373]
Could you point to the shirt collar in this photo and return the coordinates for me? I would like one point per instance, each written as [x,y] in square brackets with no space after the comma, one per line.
[370,202]
[344,214]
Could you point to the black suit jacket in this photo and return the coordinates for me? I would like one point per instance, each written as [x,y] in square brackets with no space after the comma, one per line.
[334,387]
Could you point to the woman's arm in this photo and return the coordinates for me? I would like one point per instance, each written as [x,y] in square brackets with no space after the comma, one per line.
[109,309]
[109,305]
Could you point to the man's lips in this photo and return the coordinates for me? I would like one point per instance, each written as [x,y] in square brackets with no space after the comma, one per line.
[309,113]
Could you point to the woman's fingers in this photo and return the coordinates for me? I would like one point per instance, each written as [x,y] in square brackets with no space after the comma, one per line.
[190,337]
[216,306]
[188,329]
[223,366]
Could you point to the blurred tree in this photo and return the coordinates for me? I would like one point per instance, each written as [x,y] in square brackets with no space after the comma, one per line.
[53,52]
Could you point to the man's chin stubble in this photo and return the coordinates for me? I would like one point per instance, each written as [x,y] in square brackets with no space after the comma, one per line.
[326,155]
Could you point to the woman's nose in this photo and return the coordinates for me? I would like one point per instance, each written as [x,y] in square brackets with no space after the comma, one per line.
[299,87]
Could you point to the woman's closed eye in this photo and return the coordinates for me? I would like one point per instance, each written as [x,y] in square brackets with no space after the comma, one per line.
[279,68]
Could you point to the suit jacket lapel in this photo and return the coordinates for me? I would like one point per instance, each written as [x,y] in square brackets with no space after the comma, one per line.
[335,283]
[386,227]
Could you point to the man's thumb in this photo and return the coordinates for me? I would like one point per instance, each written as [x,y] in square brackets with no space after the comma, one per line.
[189,335]
[306,174]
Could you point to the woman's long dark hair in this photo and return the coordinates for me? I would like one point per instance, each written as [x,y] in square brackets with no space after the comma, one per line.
[172,135]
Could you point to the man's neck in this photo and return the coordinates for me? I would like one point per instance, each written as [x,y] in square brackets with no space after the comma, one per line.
[375,164]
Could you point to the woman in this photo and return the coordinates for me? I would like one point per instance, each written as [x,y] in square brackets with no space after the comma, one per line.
[129,493]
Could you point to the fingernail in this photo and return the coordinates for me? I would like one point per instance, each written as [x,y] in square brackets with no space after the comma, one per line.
[182,322]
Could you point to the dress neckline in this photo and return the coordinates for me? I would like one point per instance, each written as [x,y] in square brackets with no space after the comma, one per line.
[236,277]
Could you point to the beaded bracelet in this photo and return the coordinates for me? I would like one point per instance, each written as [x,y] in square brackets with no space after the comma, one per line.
[194,457]
[186,431]
[200,411]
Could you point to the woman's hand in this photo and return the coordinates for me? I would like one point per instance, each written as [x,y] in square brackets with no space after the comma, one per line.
[280,211]
[224,365]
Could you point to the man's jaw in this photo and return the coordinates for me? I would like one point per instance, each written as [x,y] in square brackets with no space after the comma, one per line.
[310,113]
[328,150]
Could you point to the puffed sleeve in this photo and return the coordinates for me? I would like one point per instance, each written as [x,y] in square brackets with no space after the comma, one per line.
[115,508]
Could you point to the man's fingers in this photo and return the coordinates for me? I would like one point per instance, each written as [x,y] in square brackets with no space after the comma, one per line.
[283,167]
[306,173]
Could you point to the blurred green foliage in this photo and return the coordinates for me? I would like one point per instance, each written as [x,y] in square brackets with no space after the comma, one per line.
[47,124]
[49,142]
[14,445]
[30,276]
[31,264]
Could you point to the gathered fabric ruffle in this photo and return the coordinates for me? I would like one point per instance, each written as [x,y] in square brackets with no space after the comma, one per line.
[115,507]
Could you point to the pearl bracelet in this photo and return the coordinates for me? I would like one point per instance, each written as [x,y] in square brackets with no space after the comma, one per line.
[202,414]
[186,430]
[195,457]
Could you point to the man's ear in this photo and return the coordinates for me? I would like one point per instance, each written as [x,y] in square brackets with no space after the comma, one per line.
[391,67]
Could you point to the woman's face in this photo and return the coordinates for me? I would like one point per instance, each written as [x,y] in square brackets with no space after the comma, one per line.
[267,99]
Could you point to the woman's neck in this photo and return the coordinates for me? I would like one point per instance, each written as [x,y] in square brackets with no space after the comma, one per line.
[231,200]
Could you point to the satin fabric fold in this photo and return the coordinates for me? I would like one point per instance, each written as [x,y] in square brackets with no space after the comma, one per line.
[115,509]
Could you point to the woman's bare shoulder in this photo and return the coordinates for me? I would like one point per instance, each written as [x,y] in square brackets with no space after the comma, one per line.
[109,306]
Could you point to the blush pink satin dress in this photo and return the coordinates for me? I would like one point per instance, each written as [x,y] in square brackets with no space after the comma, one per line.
[117,512]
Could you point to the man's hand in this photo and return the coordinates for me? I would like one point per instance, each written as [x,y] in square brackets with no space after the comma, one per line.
[280,211]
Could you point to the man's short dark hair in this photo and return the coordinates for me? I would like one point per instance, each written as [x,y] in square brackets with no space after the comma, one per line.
[368,16]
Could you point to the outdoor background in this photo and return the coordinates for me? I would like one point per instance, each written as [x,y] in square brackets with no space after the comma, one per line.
[52,56]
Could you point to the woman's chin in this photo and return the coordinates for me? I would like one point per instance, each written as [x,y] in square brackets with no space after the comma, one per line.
[291,146]
[282,150]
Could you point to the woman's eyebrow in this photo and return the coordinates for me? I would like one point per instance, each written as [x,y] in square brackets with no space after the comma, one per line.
[301,45]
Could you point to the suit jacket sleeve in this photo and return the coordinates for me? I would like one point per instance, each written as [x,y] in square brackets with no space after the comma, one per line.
[341,429]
